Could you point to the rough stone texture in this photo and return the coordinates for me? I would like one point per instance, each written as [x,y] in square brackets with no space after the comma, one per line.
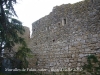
[63,38]
[26,36]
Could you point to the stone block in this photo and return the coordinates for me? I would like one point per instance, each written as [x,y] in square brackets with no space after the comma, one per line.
[81,55]
[84,46]
[79,47]
[79,59]
[72,48]
[85,36]
[66,48]
[94,39]
[69,64]
[69,55]
[84,59]
[95,35]
[75,59]
[78,64]
[87,50]
[73,55]
[76,55]
[82,41]
[67,60]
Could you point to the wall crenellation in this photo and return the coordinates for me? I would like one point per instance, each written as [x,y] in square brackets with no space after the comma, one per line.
[67,35]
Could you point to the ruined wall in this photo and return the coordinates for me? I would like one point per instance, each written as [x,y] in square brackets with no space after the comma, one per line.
[63,38]
[26,36]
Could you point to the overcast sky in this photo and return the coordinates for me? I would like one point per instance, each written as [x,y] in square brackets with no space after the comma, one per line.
[29,11]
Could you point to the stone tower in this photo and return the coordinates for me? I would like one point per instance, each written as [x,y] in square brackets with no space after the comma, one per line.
[63,38]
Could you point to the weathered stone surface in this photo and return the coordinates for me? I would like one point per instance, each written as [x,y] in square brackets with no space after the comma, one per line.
[64,39]
[26,36]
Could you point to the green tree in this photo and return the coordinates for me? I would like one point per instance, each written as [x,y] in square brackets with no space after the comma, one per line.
[92,67]
[23,53]
[9,27]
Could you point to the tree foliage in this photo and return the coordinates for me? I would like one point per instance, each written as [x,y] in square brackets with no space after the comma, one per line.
[9,27]
[92,66]
[22,54]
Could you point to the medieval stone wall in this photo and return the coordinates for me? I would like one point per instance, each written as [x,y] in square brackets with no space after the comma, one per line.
[63,38]
[26,36]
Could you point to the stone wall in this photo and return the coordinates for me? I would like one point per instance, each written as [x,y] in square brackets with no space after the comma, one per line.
[26,36]
[63,38]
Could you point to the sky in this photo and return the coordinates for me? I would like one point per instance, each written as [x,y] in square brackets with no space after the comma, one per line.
[29,11]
